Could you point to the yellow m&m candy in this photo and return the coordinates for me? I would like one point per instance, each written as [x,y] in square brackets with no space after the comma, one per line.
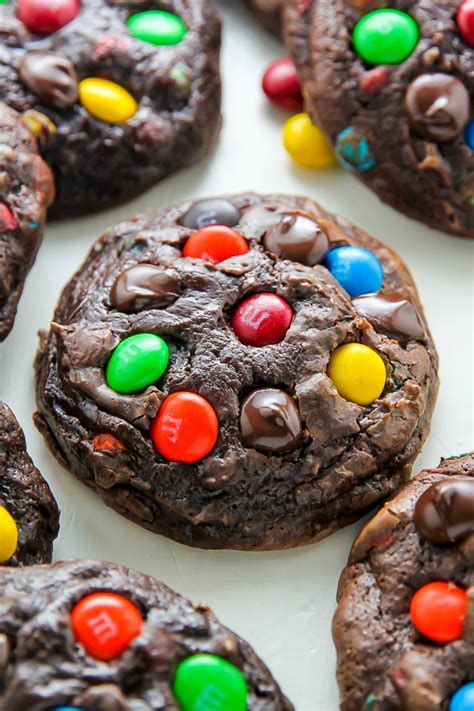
[306,143]
[8,535]
[358,373]
[107,100]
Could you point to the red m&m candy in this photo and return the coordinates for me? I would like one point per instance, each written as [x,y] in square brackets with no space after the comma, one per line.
[46,16]
[465,20]
[437,611]
[105,624]
[185,428]
[262,319]
[8,221]
[281,85]
[215,243]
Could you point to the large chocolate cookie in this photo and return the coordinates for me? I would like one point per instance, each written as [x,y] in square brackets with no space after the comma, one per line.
[102,637]
[120,94]
[393,89]
[26,191]
[195,379]
[269,14]
[28,512]
[404,628]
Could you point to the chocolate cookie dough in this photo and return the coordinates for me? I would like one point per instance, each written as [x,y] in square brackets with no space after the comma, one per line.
[26,190]
[269,14]
[29,516]
[393,89]
[120,94]
[98,636]
[219,373]
[404,627]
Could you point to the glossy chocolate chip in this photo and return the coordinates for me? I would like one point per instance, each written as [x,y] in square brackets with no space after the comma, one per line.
[144,286]
[437,106]
[270,421]
[212,211]
[390,313]
[445,512]
[298,238]
[52,79]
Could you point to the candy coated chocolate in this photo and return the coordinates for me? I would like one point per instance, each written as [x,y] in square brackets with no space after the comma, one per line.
[144,286]
[437,106]
[270,421]
[445,512]
[298,238]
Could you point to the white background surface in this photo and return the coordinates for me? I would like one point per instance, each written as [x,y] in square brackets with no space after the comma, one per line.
[280,602]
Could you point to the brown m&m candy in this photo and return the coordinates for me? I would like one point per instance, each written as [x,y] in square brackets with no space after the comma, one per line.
[144,286]
[270,421]
[391,313]
[437,106]
[445,512]
[298,238]
[52,79]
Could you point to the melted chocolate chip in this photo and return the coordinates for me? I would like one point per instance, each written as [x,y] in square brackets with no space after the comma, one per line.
[144,287]
[437,106]
[297,238]
[270,421]
[390,313]
[212,211]
[52,79]
[445,512]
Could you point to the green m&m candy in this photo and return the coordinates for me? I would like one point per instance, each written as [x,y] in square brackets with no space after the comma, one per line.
[205,682]
[157,27]
[136,363]
[385,36]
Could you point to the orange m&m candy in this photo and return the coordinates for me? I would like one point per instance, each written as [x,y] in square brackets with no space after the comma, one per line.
[438,610]
[215,243]
[185,428]
[105,624]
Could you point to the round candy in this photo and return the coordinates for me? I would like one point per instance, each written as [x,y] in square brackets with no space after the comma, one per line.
[356,269]
[465,20]
[107,100]
[385,36]
[46,16]
[297,238]
[437,611]
[358,373]
[144,286]
[211,211]
[281,85]
[270,421]
[262,320]
[306,143]
[205,682]
[105,624]
[470,135]
[437,106]
[8,221]
[8,535]
[157,27]
[463,699]
[68,708]
[353,151]
[444,513]
[185,428]
[51,78]
[215,243]
[137,362]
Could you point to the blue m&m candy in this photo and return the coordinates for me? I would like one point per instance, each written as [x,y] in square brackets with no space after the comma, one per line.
[463,699]
[67,708]
[353,151]
[356,269]
[469,135]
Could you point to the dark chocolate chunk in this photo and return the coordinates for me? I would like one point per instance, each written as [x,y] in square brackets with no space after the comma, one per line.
[144,287]
[437,106]
[391,313]
[298,238]
[211,211]
[445,512]
[270,421]
[52,79]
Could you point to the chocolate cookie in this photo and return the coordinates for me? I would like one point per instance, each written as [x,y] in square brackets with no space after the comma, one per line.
[29,516]
[404,628]
[393,89]
[269,14]
[120,94]
[102,637]
[217,384]
[26,190]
